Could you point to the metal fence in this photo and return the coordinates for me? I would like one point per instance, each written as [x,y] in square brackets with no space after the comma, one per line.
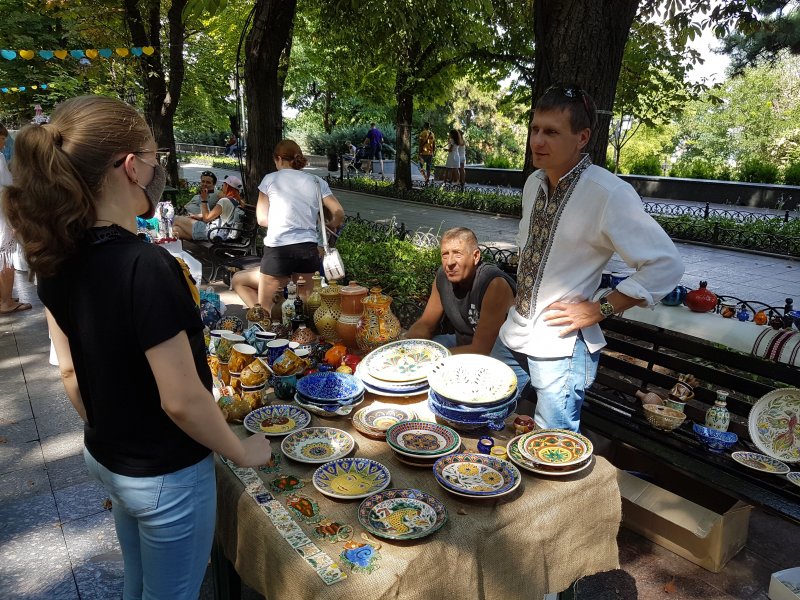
[200,149]
[705,212]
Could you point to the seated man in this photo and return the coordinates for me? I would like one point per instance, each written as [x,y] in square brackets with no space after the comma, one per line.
[208,182]
[474,297]
[224,214]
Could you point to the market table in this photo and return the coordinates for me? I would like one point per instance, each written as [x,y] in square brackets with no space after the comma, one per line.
[540,538]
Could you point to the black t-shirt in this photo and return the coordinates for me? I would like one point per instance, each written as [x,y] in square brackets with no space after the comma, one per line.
[115,298]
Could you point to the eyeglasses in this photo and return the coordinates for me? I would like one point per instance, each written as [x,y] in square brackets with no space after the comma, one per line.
[573,94]
[162,154]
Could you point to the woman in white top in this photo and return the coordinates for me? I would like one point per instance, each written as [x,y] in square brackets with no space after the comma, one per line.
[462,160]
[8,244]
[453,157]
[288,205]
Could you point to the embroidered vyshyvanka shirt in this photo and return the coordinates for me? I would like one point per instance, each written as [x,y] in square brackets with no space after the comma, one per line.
[566,238]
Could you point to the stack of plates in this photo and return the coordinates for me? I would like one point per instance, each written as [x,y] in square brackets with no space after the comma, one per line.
[400,368]
[476,475]
[555,452]
[329,393]
[420,443]
[375,420]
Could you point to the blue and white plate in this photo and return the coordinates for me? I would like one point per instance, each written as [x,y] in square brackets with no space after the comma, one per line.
[278,419]
[317,444]
[760,462]
[476,475]
[402,514]
[320,411]
[330,386]
[794,477]
[351,478]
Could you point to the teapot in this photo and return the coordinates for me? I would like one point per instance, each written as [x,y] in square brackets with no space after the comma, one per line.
[675,297]
[701,300]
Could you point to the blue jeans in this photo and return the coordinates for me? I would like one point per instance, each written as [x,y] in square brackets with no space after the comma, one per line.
[165,525]
[560,383]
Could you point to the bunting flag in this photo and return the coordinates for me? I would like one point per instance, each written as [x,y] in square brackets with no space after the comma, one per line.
[91,53]
[26,88]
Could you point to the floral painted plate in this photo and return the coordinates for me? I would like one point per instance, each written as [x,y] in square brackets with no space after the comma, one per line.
[388,386]
[555,447]
[760,462]
[330,386]
[404,361]
[402,514]
[774,424]
[279,419]
[342,411]
[402,394]
[351,478]
[422,439]
[472,379]
[317,444]
[476,475]
[376,419]
[519,459]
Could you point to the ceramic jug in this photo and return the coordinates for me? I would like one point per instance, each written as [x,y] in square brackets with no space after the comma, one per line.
[675,297]
[314,299]
[326,316]
[350,297]
[701,300]
[718,417]
[377,325]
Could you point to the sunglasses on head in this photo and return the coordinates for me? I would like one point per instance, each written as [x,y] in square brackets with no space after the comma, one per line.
[161,155]
[573,93]
[208,174]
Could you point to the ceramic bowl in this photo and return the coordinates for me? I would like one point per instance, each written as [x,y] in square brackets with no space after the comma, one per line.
[330,386]
[714,439]
[463,411]
[663,417]
[330,405]
[472,379]
[495,421]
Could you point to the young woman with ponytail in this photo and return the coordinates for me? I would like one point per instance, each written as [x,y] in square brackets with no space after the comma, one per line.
[128,336]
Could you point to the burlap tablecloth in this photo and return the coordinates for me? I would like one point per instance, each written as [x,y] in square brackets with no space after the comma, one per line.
[539,539]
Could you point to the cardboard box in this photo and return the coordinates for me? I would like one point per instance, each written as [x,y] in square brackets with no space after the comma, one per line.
[785,585]
[681,514]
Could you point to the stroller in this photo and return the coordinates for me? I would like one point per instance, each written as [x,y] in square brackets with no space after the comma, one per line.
[357,162]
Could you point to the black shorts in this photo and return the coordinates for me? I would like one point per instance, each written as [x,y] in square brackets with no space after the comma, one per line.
[375,153]
[282,261]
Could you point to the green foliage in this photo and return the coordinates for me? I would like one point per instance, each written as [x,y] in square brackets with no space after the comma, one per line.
[791,174]
[696,168]
[321,143]
[216,162]
[650,165]
[754,170]
[496,161]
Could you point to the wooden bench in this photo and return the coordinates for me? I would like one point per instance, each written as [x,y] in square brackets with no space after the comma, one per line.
[648,358]
[220,253]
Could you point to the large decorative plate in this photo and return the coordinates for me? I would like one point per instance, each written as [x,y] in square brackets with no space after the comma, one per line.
[519,459]
[476,475]
[330,386]
[472,379]
[760,462]
[351,478]
[422,439]
[774,424]
[794,477]
[317,444]
[388,386]
[402,514]
[555,447]
[342,411]
[279,419]
[404,361]
[402,394]
[378,418]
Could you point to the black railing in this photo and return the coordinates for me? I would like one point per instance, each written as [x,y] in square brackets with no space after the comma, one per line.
[706,212]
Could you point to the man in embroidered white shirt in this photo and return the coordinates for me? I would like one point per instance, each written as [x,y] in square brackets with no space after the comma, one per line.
[575,215]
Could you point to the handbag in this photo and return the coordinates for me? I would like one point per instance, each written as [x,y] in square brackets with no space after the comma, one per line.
[332,262]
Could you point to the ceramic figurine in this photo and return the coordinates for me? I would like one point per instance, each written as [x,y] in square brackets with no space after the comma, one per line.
[760,318]
[326,316]
[675,297]
[728,309]
[743,314]
[314,299]
[351,296]
[378,325]
[718,417]
[276,315]
[701,300]
[288,308]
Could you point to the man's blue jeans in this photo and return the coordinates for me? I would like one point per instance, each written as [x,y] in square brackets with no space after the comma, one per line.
[560,383]
[165,525]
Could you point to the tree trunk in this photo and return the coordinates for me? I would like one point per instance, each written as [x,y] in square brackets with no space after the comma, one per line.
[581,42]
[327,121]
[267,48]
[402,159]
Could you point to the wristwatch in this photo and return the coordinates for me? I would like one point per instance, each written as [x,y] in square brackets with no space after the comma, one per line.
[606,308]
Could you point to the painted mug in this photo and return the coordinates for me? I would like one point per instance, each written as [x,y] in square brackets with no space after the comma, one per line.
[275,348]
[241,356]
[226,343]
[485,444]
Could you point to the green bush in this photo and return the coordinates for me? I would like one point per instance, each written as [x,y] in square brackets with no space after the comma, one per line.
[650,165]
[754,170]
[321,143]
[216,162]
[791,174]
[496,161]
[694,169]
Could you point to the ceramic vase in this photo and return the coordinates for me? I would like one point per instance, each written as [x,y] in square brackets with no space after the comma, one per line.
[701,300]
[314,300]
[718,417]
[258,316]
[287,309]
[327,314]
[276,314]
[378,325]
[350,299]
[304,336]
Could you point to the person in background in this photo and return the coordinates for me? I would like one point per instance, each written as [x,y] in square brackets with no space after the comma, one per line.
[575,216]
[143,391]
[427,148]
[231,146]
[453,157]
[462,160]
[208,191]
[473,297]
[375,140]
[199,226]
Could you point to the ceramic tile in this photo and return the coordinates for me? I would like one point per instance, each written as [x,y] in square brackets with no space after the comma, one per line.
[67,472]
[24,484]
[80,500]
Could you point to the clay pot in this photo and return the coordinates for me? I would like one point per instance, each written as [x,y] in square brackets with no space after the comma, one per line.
[760,318]
[350,299]
[701,300]
[649,397]
[378,325]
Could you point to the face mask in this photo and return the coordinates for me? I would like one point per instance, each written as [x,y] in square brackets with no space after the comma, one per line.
[154,189]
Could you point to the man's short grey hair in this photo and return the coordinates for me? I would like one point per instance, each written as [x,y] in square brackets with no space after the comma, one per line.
[462,234]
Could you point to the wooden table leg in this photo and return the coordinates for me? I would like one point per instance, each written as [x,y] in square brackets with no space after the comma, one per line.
[227,583]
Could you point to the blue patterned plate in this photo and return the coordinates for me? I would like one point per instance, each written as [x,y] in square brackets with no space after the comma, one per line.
[422,439]
[476,475]
[279,419]
[402,514]
[314,409]
[351,478]
[404,361]
[317,444]
[760,462]
[330,386]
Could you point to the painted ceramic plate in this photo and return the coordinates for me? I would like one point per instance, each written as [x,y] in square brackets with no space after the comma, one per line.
[478,475]
[279,419]
[388,386]
[404,361]
[330,385]
[421,461]
[555,447]
[794,477]
[519,459]
[378,418]
[317,444]
[760,462]
[774,424]
[342,411]
[472,379]
[402,514]
[403,394]
[351,478]
[422,439]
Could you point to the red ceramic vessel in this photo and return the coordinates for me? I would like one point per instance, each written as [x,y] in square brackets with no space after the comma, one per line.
[701,300]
